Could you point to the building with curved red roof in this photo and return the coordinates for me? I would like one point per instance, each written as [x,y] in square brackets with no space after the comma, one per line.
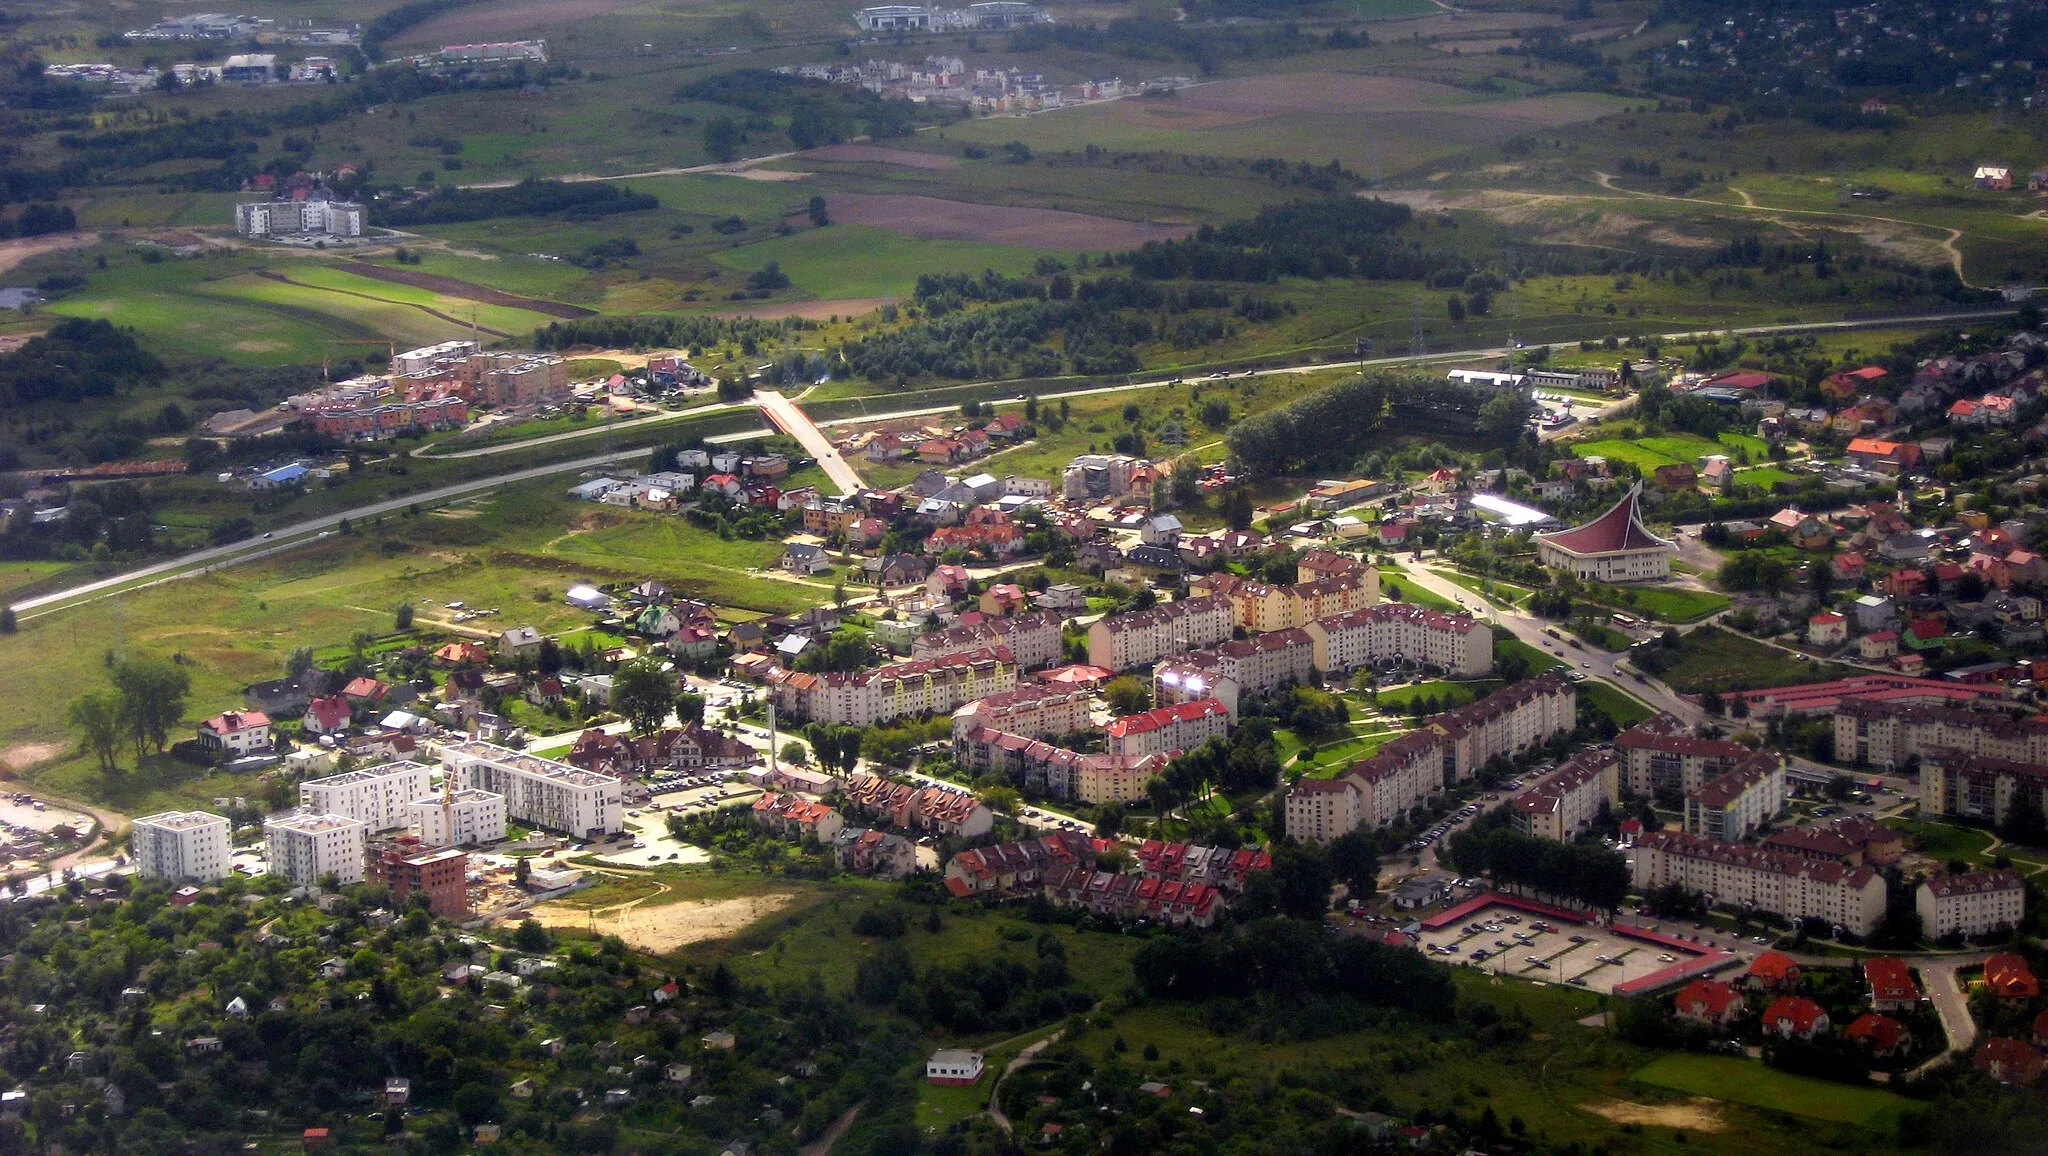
[1614,547]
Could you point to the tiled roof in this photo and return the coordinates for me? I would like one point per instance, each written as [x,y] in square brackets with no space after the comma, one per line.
[1620,528]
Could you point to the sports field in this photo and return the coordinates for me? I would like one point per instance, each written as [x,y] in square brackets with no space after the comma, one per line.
[1744,1081]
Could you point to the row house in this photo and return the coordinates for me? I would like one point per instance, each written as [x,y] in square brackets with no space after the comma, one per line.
[1223,867]
[1260,606]
[1972,903]
[1567,802]
[996,539]
[1877,732]
[1455,643]
[881,694]
[691,748]
[1142,637]
[1755,878]
[376,423]
[1208,551]
[1008,869]
[1739,801]
[1259,665]
[1036,709]
[1176,726]
[1957,784]
[1664,757]
[797,817]
[1032,638]
[944,811]
[1114,896]
[875,853]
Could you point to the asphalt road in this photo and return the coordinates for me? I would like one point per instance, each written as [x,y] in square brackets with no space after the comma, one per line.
[797,424]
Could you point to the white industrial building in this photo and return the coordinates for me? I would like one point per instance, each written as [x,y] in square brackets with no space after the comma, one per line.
[376,796]
[181,845]
[306,847]
[299,218]
[459,818]
[539,791]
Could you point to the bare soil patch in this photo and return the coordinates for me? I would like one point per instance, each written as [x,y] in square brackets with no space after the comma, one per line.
[814,310]
[22,756]
[466,290]
[665,927]
[489,22]
[875,154]
[776,176]
[14,252]
[1697,1115]
[931,217]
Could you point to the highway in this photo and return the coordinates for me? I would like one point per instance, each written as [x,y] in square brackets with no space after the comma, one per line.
[199,561]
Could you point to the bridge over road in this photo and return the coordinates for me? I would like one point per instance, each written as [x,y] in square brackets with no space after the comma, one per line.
[784,415]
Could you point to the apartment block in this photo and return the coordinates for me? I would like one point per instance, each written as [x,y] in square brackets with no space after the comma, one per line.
[1258,665]
[1032,638]
[1177,726]
[1663,757]
[306,847]
[1976,903]
[880,694]
[1453,642]
[1037,710]
[1879,733]
[1738,802]
[465,818]
[1143,637]
[442,876]
[539,792]
[1264,606]
[1567,801]
[181,846]
[1961,785]
[376,796]
[1741,877]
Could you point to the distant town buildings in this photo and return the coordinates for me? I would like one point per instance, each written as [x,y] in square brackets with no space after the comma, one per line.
[319,215]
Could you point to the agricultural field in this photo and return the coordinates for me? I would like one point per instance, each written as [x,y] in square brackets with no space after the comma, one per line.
[1713,659]
[1648,453]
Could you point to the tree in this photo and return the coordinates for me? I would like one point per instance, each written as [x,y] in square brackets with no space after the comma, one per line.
[151,701]
[643,694]
[298,661]
[1456,308]
[1187,481]
[820,216]
[402,617]
[1503,417]
[689,708]
[721,139]
[531,937]
[522,872]
[795,752]
[8,625]
[1237,508]
[1127,695]
[1355,863]
[1301,881]
[97,715]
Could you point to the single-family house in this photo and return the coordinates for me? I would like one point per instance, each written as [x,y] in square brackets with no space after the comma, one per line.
[1794,1016]
[1827,629]
[805,558]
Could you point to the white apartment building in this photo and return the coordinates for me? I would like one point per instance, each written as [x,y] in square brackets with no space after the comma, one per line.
[273,218]
[1177,726]
[1319,810]
[880,694]
[1260,664]
[1972,904]
[1032,638]
[306,847]
[1262,606]
[1034,710]
[377,796]
[1735,876]
[1454,642]
[189,846]
[468,817]
[1739,802]
[1143,637]
[1568,800]
[1664,757]
[541,792]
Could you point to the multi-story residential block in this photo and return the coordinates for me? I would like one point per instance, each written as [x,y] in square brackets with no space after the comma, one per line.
[442,876]
[1032,638]
[1849,839]
[1036,710]
[1263,606]
[307,847]
[1258,665]
[465,818]
[185,846]
[1664,758]
[1143,637]
[540,792]
[1177,726]
[1975,903]
[1453,642]
[1447,748]
[377,796]
[1879,733]
[1738,802]
[880,694]
[1763,880]
[1965,786]
[1567,801]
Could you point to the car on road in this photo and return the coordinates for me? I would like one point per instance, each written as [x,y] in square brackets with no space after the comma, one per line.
[1759,939]
[1667,959]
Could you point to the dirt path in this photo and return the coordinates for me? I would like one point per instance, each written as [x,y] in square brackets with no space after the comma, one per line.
[14,252]
[1948,244]
[830,1136]
[426,309]
[1024,1058]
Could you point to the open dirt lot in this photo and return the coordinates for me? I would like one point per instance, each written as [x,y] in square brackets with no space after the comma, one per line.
[14,252]
[813,310]
[651,925]
[876,155]
[1566,961]
[1339,93]
[1695,1115]
[931,217]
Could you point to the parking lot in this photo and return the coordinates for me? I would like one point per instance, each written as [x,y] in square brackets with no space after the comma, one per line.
[1510,942]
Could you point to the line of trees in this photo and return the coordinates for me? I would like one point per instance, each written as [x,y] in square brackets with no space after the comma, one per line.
[1289,959]
[1587,872]
[144,705]
[531,197]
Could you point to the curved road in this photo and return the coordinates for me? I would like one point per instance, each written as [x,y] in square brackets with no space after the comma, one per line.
[198,561]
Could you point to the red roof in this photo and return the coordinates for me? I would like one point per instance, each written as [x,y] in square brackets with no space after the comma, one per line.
[1708,997]
[1881,1032]
[2009,1061]
[1890,980]
[1801,1014]
[2008,975]
[1617,529]
[1746,380]
[1773,967]
[1162,716]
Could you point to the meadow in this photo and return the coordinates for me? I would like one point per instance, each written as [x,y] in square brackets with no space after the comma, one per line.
[1745,1081]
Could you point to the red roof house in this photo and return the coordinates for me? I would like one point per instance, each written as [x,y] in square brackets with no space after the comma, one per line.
[1891,984]
[1795,1015]
[2008,1061]
[2009,977]
[1772,971]
[1883,1035]
[1708,1001]
[1747,379]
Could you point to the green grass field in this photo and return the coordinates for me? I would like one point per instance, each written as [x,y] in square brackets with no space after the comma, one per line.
[1623,708]
[860,261]
[1711,658]
[1744,1081]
